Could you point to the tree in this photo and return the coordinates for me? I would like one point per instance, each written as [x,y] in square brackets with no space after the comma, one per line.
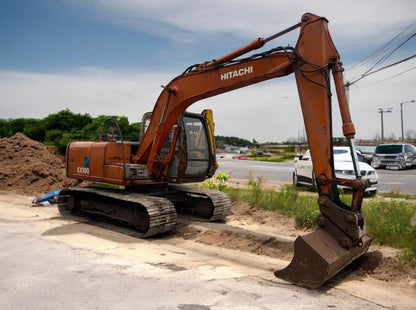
[16,125]
[4,128]
[65,120]
[53,137]
[90,131]
[220,141]
[63,127]
[133,132]
[410,134]
[130,132]
[35,129]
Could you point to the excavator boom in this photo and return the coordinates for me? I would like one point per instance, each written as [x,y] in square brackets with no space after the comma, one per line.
[341,235]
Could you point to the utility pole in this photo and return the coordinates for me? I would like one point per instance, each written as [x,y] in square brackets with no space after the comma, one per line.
[381,111]
[401,114]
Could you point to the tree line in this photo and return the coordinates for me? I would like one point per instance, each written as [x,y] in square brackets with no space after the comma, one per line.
[65,126]
[221,141]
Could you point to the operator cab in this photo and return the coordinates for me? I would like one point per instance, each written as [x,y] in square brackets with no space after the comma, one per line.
[194,155]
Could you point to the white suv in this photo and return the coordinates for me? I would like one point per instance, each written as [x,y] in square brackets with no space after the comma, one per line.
[303,174]
[394,156]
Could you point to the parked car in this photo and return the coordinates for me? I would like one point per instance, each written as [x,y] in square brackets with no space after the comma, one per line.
[394,156]
[303,174]
[367,151]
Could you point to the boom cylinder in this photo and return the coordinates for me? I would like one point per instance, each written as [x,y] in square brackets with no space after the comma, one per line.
[348,128]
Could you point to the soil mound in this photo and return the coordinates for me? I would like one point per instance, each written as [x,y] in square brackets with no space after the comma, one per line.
[29,167]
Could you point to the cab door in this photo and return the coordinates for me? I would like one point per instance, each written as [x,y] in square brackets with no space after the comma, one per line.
[194,155]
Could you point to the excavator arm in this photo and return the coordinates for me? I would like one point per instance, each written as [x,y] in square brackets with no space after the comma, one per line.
[203,82]
[341,234]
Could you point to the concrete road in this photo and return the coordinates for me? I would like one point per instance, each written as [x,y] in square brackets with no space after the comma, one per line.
[52,263]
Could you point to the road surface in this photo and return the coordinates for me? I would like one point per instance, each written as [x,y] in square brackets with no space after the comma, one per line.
[403,181]
[48,262]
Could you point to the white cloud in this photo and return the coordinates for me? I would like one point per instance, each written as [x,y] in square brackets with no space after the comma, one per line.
[89,90]
[351,21]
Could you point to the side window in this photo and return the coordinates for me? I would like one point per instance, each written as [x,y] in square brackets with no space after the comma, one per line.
[410,149]
[196,138]
[145,124]
[307,155]
[197,146]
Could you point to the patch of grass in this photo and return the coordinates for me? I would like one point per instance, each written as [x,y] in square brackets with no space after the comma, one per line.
[276,159]
[287,201]
[393,223]
[394,194]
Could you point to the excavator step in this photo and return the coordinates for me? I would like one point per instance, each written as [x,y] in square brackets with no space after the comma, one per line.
[149,215]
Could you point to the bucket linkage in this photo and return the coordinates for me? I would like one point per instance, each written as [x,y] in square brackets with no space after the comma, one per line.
[339,239]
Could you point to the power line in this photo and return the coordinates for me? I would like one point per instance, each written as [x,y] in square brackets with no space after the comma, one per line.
[390,77]
[387,49]
[380,50]
[385,67]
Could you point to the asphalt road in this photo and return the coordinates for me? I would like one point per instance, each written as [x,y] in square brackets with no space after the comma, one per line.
[403,181]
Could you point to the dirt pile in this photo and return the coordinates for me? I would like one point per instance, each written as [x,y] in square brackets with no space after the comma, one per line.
[29,167]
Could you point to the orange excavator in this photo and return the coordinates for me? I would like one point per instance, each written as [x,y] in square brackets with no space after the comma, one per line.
[177,147]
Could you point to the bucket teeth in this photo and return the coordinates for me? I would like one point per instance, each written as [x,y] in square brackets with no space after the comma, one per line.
[318,257]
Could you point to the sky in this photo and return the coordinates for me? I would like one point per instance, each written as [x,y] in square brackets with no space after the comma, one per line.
[105,57]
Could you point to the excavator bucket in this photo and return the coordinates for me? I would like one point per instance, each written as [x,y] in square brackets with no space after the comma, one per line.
[318,257]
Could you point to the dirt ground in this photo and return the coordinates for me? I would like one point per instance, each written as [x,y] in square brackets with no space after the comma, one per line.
[30,168]
[378,263]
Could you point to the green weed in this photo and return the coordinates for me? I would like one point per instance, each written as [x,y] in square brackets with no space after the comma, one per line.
[393,223]
[395,194]
[277,159]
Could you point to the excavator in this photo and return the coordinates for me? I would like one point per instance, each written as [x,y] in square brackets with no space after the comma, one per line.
[147,177]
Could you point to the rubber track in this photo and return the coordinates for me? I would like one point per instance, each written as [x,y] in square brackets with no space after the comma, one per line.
[220,201]
[161,212]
